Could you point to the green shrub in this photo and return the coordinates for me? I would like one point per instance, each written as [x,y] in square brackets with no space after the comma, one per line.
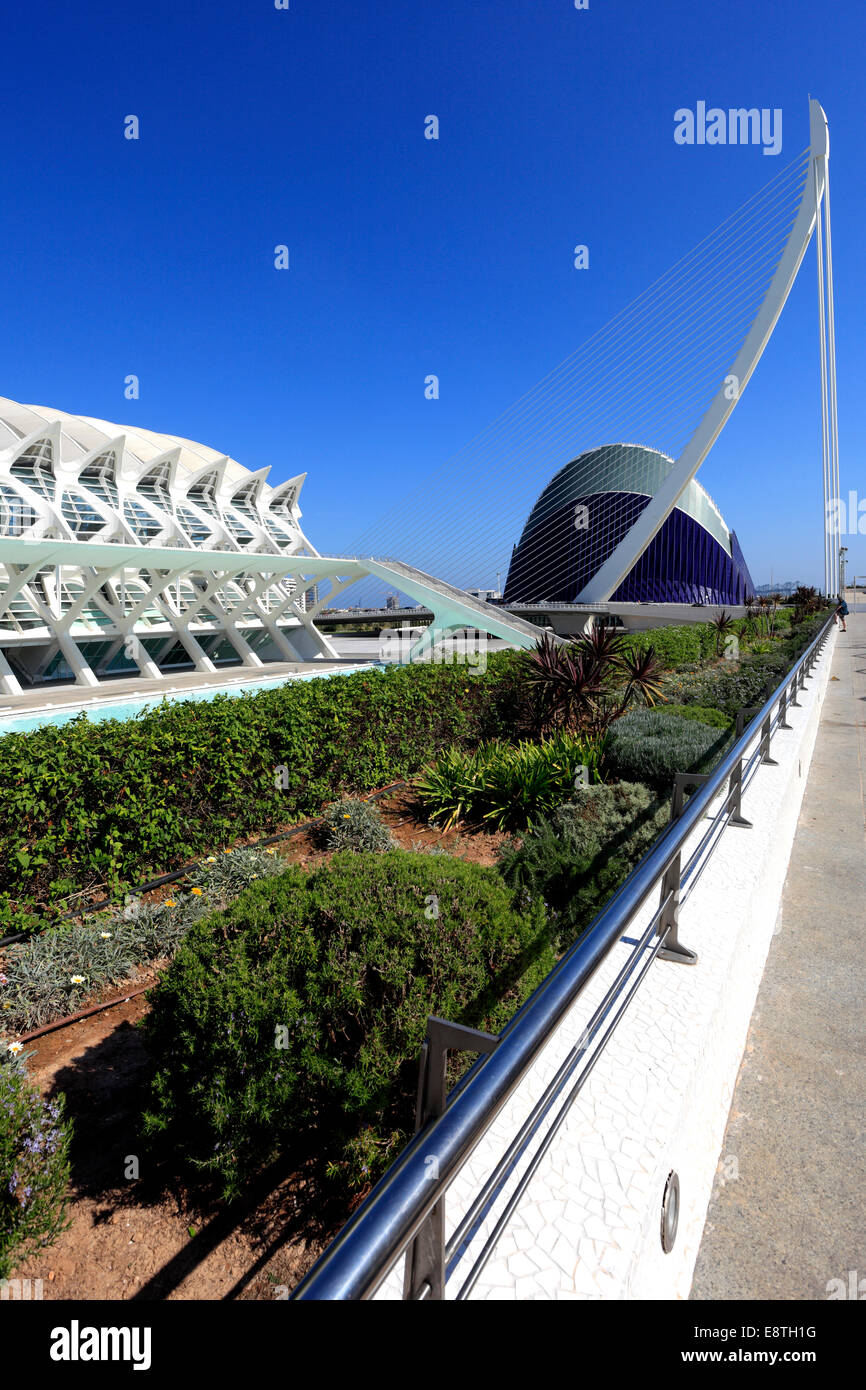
[704,714]
[293,1021]
[708,638]
[89,805]
[737,685]
[576,860]
[650,746]
[507,786]
[353,824]
[34,1168]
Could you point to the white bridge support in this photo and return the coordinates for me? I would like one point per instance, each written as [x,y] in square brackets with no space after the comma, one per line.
[626,554]
[453,609]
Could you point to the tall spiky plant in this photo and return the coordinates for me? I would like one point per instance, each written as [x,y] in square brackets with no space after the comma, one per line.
[565,680]
[723,623]
[572,681]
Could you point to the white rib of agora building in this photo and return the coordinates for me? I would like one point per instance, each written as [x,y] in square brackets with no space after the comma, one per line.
[124,550]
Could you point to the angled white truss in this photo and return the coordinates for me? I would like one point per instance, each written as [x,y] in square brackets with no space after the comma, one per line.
[125,550]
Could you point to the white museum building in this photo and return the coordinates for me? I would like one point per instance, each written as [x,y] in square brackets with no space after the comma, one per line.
[126,551]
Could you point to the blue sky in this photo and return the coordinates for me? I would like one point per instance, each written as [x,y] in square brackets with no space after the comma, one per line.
[408,256]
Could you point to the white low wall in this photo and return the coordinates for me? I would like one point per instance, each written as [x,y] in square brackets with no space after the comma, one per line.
[588,1225]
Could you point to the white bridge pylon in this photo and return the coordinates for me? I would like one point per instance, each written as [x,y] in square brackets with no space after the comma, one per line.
[815,193]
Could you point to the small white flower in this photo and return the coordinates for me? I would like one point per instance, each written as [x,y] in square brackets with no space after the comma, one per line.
[15,1048]
[76,979]
[106,935]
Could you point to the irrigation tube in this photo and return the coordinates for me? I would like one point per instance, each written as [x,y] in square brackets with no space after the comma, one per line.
[83,1013]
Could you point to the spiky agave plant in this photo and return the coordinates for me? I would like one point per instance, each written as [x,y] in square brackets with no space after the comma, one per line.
[603,645]
[767,607]
[543,677]
[806,601]
[643,673]
[572,681]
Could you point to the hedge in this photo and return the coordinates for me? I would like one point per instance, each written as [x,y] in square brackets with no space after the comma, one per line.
[704,714]
[732,686]
[292,1023]
[576,860]
[95,806]
[674,646]
[691,643]
[88,805]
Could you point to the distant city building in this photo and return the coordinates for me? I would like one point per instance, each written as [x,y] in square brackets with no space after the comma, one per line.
[787,588]
[392,601]
[589,506]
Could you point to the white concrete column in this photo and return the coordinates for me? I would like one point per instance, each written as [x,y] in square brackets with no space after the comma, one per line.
[193,649]
[241,646]
[9,682]
[145,663]
[81,670]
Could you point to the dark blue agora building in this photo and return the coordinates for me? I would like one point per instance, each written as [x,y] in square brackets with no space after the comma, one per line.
[586,510]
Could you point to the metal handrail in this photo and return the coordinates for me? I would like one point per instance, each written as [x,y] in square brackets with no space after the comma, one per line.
[380,1231]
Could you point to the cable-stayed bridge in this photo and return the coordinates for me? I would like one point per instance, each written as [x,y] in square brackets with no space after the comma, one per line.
[666,372]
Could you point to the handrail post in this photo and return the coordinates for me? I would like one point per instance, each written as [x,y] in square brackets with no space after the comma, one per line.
[673,948]
[783,710]
[744,715]
[678,795]
[425,1257]
[765,743]
[735,796]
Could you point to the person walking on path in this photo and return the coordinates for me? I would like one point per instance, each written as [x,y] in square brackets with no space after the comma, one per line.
[841,612]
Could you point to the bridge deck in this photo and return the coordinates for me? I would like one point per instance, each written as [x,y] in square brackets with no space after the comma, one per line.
[787,1213]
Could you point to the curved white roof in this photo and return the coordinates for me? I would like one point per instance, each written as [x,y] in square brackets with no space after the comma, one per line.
[627,467]
[77,477]
[87,432]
